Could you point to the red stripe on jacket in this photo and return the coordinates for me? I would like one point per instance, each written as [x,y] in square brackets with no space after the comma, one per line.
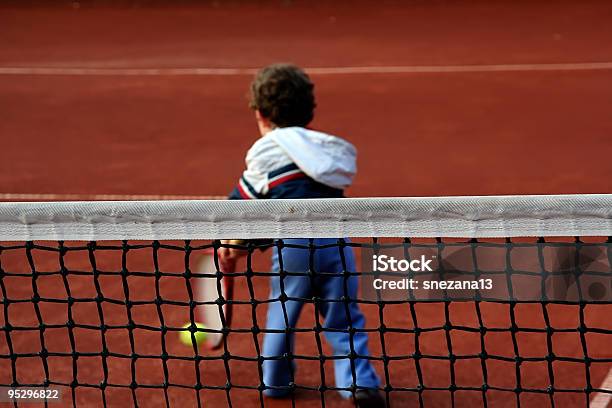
[286,178]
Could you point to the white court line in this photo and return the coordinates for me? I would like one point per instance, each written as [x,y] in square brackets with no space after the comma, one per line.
[602,400]
[404,69]
[102,197]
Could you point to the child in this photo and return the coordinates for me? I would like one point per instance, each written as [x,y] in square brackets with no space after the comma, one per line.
[292,161]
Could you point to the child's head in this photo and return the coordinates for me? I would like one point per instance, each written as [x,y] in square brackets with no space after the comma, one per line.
[282,95]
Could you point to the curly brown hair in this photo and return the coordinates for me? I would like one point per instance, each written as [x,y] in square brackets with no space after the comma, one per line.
[283,94]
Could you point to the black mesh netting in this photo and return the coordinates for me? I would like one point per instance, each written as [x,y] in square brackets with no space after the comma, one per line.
[101,320]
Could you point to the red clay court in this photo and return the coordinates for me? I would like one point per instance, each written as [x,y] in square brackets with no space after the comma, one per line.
[441,99]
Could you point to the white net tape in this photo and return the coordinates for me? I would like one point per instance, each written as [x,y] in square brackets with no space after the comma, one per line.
[474,217]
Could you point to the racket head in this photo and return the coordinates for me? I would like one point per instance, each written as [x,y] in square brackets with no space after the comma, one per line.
[214,317]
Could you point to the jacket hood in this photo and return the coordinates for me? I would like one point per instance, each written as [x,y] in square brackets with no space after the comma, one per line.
[328,159]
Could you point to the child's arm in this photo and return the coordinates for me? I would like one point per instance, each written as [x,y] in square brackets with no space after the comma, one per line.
[244,190]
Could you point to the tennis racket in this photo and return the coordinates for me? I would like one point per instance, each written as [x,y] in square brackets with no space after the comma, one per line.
[208,288]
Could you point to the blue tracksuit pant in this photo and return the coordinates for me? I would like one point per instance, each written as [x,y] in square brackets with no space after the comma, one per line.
[278,371]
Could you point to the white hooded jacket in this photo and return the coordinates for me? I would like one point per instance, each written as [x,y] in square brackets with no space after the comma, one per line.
[324,158]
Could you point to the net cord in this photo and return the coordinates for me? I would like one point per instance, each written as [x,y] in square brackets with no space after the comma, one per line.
[475,217]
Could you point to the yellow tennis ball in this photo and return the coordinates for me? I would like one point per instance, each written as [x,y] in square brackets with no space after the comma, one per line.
[185,335]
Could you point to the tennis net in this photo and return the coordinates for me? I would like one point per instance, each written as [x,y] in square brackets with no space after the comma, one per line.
[468,301]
